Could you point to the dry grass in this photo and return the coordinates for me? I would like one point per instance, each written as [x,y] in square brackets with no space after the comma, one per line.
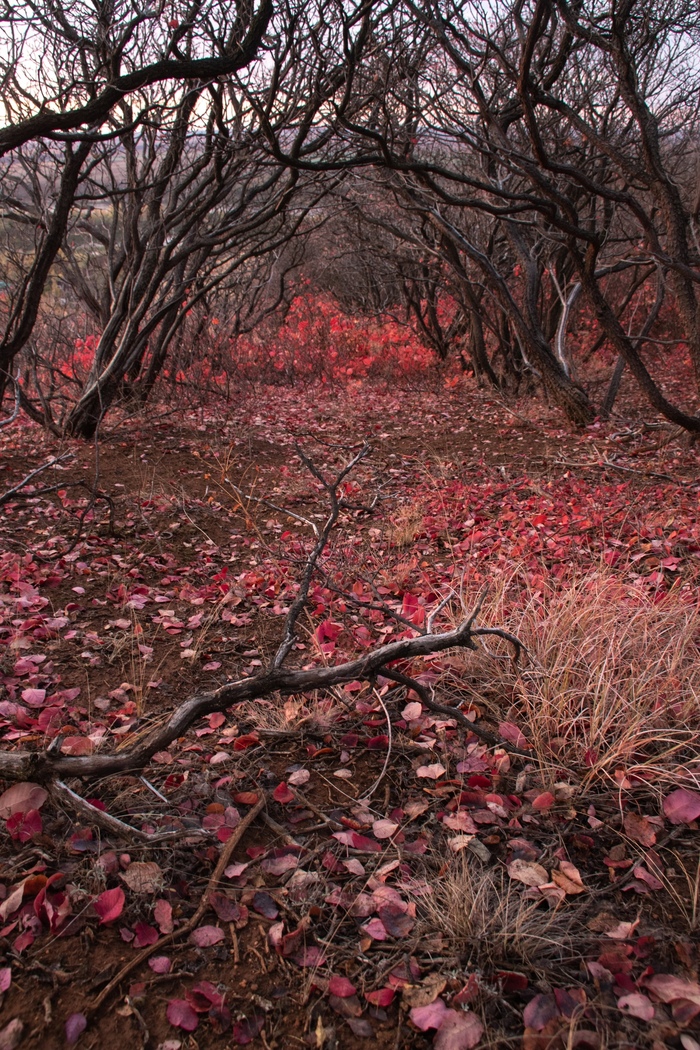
[612,685]
[486,919]
[407,524]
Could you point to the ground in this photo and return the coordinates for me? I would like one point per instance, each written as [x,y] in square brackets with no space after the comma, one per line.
[406,880]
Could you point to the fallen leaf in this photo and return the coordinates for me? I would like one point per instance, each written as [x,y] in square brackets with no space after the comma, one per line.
[341,987]
[143,876]
[682,806]
[145,935]
[431,772]
[109,905]
[639,829]
[75,1026]
[163,915]
[160,964]
[248,1029]
[568,878]
[669,988]
[181,1015]
[205,936]
[384,829]
[381,997]
[528,872]
[21,798]
[424,993]
[540,1011]
[299,777]
[510,732]
[430,1016]
[458,1031]
[637,1005]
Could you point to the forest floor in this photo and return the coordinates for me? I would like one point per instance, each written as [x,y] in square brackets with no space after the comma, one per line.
[405,882]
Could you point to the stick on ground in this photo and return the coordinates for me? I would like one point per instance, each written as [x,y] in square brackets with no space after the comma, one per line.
[192,922]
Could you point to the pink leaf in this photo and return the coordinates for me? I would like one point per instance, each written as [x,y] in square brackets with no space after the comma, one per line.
[510,732]
[181,1015]
[109,905]
[160,964]
[75,1026]
[431,772]
[205,936]
[668,988]
[11,1034]
[430,1016]
[682,806]
[375,929]
[384,829]
[637,1005]
[5,978]
[34,697]
[458,1031]
[163,915]
[540,1011]
[21,798]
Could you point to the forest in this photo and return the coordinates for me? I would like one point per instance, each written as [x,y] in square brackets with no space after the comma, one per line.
[349,524]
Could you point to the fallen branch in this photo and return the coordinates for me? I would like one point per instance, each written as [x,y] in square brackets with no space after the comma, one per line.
[46,766]
[41,766]
[65,796]
[7,496]
[192,922]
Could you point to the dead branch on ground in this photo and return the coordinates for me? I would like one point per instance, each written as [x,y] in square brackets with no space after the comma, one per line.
[46,766]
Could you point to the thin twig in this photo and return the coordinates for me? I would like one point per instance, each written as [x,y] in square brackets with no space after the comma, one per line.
[7,496]
[368,794]
[299,603]
[192,922]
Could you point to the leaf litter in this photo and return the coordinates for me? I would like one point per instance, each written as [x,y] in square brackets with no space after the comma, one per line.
[338,916]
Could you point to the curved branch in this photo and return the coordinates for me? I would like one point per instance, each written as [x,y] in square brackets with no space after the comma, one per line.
[41,766]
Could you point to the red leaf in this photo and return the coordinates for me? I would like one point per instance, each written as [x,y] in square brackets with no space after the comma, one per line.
[378,743]
[341,987]
[283,794]
[145,935]
[181,1015]
[243,742]
[382,997]
[24,826]
[109,905]
[245,1031]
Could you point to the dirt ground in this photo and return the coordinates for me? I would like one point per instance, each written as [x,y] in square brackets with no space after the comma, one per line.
[407,882]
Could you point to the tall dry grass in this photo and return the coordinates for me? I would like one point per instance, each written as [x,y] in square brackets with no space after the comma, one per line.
[611,686]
